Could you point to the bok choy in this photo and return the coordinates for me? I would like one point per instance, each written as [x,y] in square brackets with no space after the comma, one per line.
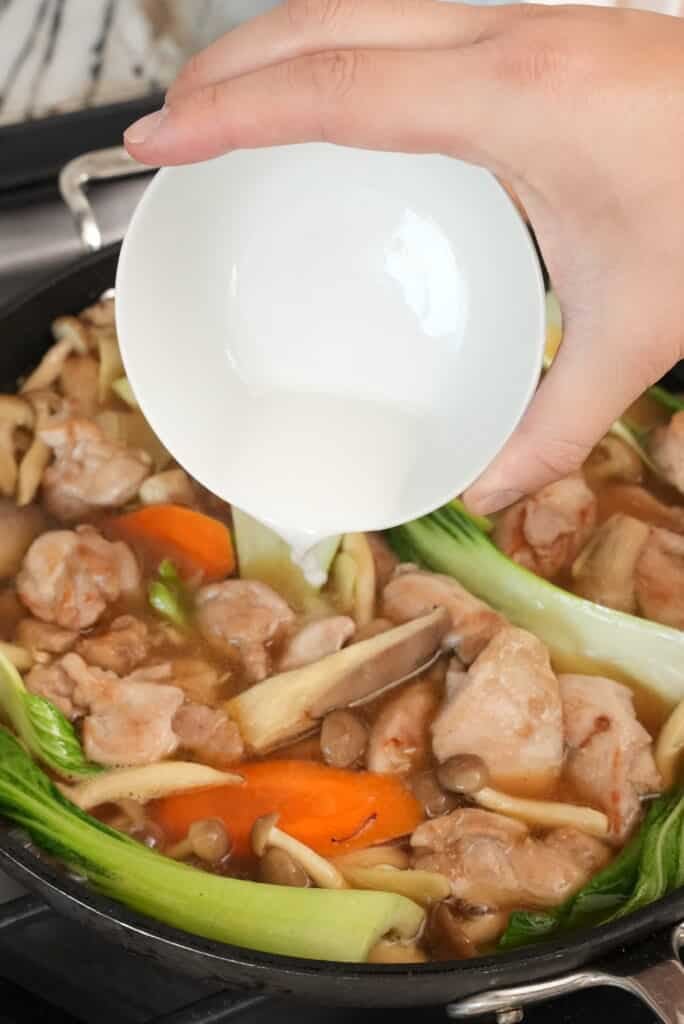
[312,923]
[42,728]
[649,867]
[263,555]
[449,541]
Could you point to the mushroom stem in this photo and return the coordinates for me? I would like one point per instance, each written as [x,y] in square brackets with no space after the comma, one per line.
[266,835]
[289,704]
[544,813]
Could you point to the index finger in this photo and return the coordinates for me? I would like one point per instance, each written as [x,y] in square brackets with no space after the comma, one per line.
[298,28]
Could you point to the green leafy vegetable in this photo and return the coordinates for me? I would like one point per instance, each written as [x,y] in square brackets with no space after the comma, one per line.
[650,866]
[42,727]
[263,555]
[665,398]
[169,597]
[449,541]
[323,924]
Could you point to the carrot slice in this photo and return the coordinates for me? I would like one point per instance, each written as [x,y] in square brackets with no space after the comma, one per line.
[199,541]
[331,810]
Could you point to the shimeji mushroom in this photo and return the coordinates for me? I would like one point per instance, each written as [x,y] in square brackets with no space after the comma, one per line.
[544,813]
[71,339]
[45,405]
[15,414]
[291,704]
[266,835]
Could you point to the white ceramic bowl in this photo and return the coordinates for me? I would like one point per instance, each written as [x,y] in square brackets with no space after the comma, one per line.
[332,339]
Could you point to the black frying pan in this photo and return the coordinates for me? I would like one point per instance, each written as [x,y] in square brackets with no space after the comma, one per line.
[625,951]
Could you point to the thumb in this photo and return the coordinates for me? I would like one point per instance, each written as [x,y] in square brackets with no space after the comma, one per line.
[594,378]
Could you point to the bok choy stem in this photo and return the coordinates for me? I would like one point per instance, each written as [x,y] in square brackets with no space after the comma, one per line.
[449,541]
[322,924]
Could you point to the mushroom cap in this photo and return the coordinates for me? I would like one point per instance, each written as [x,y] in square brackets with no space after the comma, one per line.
[261,833]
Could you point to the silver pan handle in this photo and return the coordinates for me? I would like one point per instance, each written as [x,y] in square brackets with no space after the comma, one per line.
[659,984]
[98,165]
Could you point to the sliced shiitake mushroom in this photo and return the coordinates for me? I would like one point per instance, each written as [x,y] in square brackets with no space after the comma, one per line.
[290,704]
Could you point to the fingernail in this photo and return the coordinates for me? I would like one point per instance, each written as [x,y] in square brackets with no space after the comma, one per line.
[493,502]
[143,130]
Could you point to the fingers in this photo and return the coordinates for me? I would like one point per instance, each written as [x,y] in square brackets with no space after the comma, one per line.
[590,384]
[381,99]
[301,27]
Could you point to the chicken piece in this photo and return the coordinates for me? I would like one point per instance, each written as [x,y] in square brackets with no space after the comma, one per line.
[666,447]
[90,472]
[316,640]
[70,576]
[241,618]
[54,683]
[171,486]
[128,721]
[399,740]
[199,680]
[659,578]
[412,593]
[494,861]
[507,710]
[384,558]
[209,735]
[610,760]
[18,528]
[44,636]
[545,532]
[80,380]
[604,571]
[640,504]
[120,649]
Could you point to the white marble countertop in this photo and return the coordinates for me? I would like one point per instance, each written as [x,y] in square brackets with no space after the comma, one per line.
[62,55]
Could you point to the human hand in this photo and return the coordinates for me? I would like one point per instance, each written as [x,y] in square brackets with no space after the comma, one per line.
[579,109]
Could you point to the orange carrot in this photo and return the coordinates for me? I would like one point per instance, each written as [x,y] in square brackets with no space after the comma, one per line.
[331,810]
[199,541]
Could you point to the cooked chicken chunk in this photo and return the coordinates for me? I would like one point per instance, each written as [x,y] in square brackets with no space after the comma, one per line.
[494,861]
[413,593]
[507,710]
[54,683]
[316,640]
[120,649]
[545,532]
[89,472]
[129,721]
[610,761]
[241,618]
[399,740]
[208,734]
[44,636]
[659,578]
[70,576]
[604,571]
[666,445]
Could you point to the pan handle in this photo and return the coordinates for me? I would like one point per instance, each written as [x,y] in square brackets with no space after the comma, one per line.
[657,980]
[98,165]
